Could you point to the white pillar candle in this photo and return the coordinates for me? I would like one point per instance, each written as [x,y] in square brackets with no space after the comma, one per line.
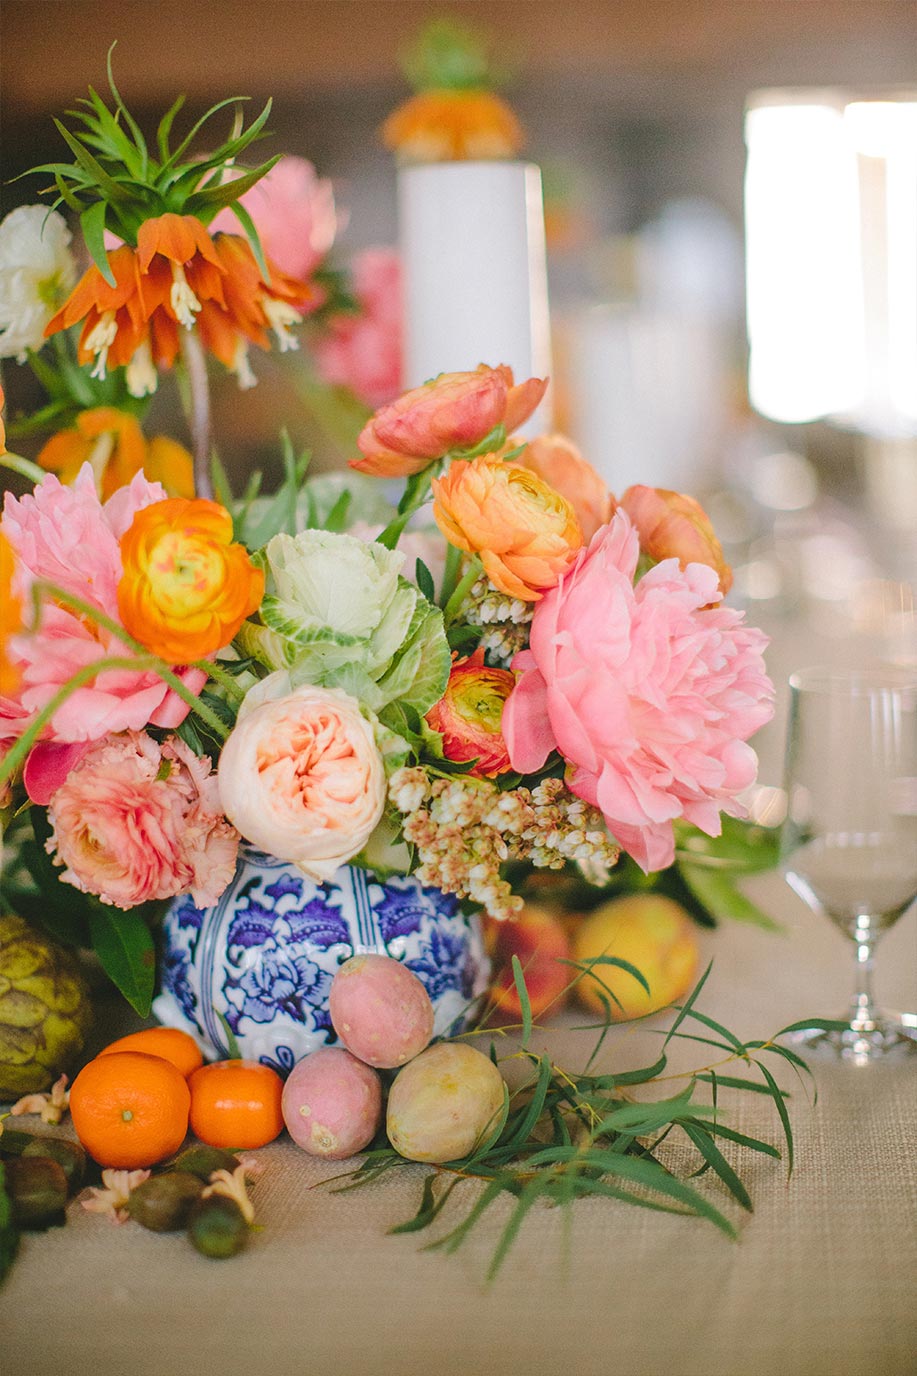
[473,249]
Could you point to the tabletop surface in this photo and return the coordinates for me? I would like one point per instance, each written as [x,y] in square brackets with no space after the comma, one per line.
[820,1283]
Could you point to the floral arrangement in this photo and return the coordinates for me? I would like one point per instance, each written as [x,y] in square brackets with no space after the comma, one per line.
[500,669]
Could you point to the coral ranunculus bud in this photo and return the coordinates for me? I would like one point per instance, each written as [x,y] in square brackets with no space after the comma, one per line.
[558,461]
[469,712]
[526,533]
[453,411]
[673,526]
[186,587]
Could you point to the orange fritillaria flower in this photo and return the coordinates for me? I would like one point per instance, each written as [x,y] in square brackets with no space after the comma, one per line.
[113,443]
[186,587]
[115,317]
[453,126]
[525,532]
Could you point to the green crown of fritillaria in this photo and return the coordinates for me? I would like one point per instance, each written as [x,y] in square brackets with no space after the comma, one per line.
[115,182]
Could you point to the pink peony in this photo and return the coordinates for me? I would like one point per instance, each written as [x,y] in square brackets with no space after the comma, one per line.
[649,698]
[294,214]
[65,535]
[364,352]
[135,821]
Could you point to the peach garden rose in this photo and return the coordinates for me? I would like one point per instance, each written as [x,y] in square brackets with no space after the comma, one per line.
[301,776]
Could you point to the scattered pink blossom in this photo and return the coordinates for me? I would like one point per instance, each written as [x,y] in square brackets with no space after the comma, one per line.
[294,213]
[136,820]
[50,1107]
[648,697]
[113,1198]
[365,352]
[65,536]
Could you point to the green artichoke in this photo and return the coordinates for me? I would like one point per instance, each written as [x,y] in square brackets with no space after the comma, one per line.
[45,1009]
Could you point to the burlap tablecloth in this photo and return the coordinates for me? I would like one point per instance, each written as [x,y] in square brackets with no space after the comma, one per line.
[821,1282]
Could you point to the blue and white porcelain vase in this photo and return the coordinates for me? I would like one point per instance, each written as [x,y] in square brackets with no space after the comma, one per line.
[264,956]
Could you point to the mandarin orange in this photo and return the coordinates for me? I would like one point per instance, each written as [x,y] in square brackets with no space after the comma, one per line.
[130,1109]
[236,1104]
[168,1042]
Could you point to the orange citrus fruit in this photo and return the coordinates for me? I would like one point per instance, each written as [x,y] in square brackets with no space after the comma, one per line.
[168,1042]
[236,1104]
[130,1109]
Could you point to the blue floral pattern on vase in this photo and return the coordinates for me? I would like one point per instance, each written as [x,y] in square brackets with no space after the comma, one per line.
[261,961]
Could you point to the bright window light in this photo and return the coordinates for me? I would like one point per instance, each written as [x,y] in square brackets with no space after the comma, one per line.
[831,239]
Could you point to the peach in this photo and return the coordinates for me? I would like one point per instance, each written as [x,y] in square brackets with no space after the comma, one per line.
[443,1103]
[332,1103]
[654,934]
[540,941]
[380,1010]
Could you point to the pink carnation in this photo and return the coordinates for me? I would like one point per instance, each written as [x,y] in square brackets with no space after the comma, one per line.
[135,820]
[649,698]
[294,214]
[365,352]
[65,535]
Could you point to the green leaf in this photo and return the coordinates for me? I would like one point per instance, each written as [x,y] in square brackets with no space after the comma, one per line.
[165,128]
[524,1001]
[253,237]
[778,1099]
[232,1045]
[189,138]
[215,197]
[717,1161]
[430,1206]
[102,180]
[688,1004]
[336,520]
[736,1082]
[424,579]
[129,119]
[523,1129]
[9,1234]
[717,891]
[92,223]
[123,944]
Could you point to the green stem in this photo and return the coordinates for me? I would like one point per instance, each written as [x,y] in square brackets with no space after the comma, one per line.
[25,467]
[450,573]
[219,675]
[198,410]
[415,494]
[464,586]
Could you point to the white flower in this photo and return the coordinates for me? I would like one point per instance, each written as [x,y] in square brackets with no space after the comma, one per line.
[37,272]
[113,1198]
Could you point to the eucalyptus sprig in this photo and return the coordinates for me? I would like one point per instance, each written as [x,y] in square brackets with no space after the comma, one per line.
[568,1135]
[115,182]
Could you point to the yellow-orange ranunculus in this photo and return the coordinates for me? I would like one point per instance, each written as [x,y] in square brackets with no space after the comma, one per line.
[526,533]
[113,443]
[186,587]
[453,125]
[558,461]
[10,613]
[671,525]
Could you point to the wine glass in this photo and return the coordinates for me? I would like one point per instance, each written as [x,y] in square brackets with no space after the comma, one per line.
[849,844]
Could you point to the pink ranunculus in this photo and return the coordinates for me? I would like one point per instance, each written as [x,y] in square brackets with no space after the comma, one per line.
[558,462]
[294,214]
[136,821]
[365,352]
[453,411]
[301,775]
[647,696]
[65,536]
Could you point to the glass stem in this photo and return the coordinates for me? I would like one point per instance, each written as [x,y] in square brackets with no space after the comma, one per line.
[863,1010]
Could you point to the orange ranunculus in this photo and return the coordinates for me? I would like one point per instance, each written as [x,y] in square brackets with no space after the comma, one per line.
[10,613]
[469,712]
[453,411]
[526,533]
[113,443]
[186,587]
[558,461]
[671,525]
[453,125]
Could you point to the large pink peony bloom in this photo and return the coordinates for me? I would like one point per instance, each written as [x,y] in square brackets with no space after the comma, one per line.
[649,698]
[65,535]
[135,821]
[294,214]
[365,352]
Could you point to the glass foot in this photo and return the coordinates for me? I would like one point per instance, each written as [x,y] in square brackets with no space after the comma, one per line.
[884,1036]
